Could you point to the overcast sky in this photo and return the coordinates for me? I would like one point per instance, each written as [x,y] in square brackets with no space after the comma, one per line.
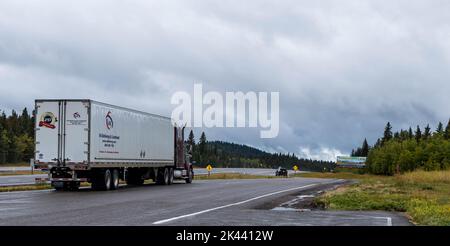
[343,68]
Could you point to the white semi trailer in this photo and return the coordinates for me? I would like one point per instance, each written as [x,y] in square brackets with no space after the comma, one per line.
[88,141]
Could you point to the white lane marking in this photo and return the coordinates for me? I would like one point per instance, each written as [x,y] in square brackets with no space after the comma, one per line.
[230,205]
[388,220]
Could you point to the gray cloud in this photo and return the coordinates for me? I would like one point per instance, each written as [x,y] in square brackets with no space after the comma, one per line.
[343,68]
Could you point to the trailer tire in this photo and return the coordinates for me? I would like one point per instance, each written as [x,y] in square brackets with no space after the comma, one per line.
[102,180]
[114,179]
[162,177]
[170,176]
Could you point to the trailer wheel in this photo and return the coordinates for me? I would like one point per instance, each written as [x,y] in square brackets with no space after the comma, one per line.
[162,178]
[102,180]
[115,179]
[170,176]
[166,176]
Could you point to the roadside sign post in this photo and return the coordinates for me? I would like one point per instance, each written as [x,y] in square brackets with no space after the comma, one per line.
[209,169]
[32,166]
[295,169]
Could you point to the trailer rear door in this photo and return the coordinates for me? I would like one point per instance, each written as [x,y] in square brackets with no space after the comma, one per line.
[62,131]
[48,131]
[76,131]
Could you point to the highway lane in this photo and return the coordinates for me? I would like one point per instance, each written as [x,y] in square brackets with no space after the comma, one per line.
[30,179]
[251,171]
[218,202]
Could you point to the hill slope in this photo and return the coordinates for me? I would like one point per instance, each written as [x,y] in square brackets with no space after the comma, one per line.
[224,154]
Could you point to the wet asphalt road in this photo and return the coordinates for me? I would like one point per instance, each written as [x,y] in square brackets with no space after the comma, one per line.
[213,202]
[30,179]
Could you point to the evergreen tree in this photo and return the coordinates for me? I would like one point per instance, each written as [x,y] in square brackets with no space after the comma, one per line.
[377,143]
[427,132]
[365,148]
[447,130]
[13,123]
[440,128]
[191,139]
[404,135]
[4,145]
[202,144]
[418,134]
[387,133]
[397,135]
[24,122]
[410,133]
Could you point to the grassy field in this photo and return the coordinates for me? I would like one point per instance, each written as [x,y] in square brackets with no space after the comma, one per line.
[424,196]
[32,187]
[231,176]
[25,187]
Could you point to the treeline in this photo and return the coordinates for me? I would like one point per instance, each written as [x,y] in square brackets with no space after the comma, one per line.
[407,150]
[224,154]
[17,145]
[16,137]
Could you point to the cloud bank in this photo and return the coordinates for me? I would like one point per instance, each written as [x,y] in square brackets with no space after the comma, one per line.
[343,68]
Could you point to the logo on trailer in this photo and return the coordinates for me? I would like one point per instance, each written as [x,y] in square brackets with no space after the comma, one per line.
[48,120]
[76,115]
[109,121]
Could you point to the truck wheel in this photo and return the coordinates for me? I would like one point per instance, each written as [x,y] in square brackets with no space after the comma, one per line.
[107,179]
[170,176]
[190,177]
[115,179]
[166,176]
[162,177]
[102,180]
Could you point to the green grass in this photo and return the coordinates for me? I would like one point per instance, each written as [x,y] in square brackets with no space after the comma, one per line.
[424,196]
[44,186]
[25,187]
[231,176]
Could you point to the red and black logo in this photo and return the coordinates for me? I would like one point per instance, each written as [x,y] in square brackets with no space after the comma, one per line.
[109,121]
[48,120]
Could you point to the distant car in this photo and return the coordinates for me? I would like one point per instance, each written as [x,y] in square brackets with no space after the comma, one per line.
[281,172]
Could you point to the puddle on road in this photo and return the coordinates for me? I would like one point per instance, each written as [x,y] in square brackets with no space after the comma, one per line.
[285,209]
